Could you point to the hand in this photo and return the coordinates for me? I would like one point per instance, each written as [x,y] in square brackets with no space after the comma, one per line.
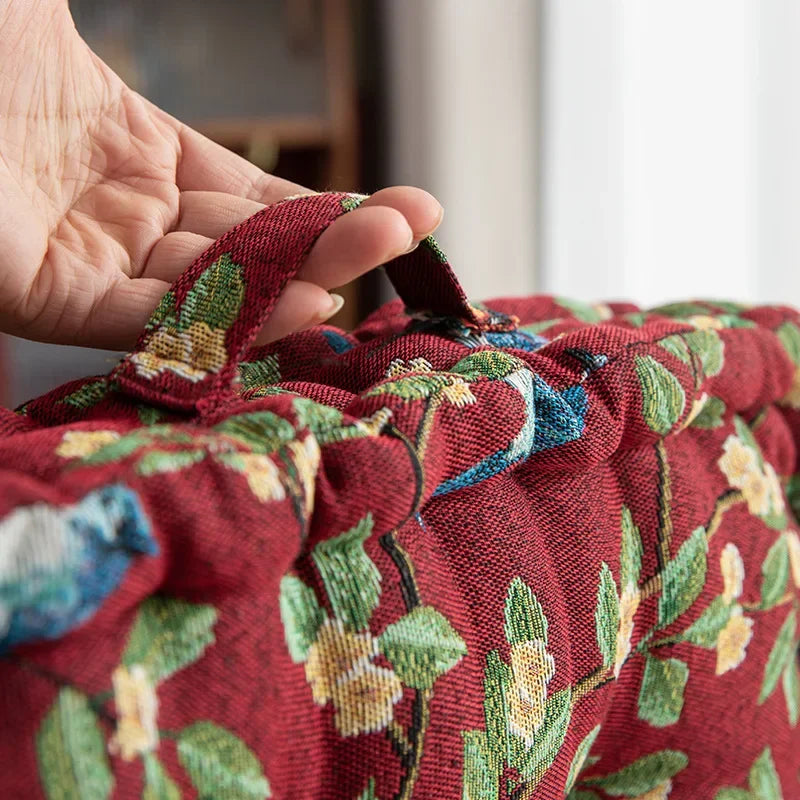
[106,199]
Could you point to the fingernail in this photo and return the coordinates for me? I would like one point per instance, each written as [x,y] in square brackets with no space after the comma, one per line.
[337,301]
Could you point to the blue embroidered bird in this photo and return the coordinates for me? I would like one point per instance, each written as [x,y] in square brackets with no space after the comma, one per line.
[58,564]
[552,418]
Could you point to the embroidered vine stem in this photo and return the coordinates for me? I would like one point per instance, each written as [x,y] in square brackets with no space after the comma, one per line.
[726,501]
[663,552]
[789,597]
[423,434]
[408,746]
[587,684]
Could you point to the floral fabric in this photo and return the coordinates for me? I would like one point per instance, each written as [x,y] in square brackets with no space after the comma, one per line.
[533,549]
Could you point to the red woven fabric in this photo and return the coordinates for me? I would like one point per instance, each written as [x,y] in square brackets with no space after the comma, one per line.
[533,549]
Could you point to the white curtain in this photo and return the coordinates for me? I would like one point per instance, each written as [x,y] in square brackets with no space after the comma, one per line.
[462,91]
[670,157]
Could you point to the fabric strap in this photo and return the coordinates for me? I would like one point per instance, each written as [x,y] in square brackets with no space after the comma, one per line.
[205,325]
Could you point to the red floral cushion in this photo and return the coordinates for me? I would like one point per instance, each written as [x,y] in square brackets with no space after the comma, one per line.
[534,549]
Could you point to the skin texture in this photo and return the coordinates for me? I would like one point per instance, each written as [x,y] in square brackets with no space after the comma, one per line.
[107,199]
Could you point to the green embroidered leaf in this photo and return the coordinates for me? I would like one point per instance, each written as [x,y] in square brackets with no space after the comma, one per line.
[549,737]
[582,794]
[775,571]
[164,314]
[580,757]
[90,394]
[731,307]
[683,578]
[789,334]
[661,694]
[679,310]
[168,635]
[630,560]
[493,364]
[677,347]
[421,646]
[71,750]
[791,691]
[525,619]
[351,579]
[732,793]
[763,778]
[157,784]
[711,415]
[606,616]
[663,398]
[793,494]
[369,792]
[318,418]
[642,775]
[744,432]
[581,311]
[637,318]
[481,769]
[709,348]
[261,431]
[412,387]
[705,630]
[216,296]
[119,449]
[734,321]
[497,680]
[263,372]
[301,615]
[219,764]
[156,462]
[782,652]
[149,415]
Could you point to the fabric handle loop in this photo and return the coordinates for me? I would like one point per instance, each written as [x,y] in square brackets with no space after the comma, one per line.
[205,324]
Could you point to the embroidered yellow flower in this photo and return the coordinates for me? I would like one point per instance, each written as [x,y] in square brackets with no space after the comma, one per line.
[732,568]
[398,367]
[458,393]
[792,398]
[365,699]
[532,668]
[761,489]
[306,457]
[603,311]
[191,354]
[739,462]
[137,710]
[80,444]
[263,477]
[661,792]
[703,322]
[628,606]
[340,670]
[733,640]
[333,655]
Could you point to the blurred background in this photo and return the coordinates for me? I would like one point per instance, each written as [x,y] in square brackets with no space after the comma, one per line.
[599,149]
